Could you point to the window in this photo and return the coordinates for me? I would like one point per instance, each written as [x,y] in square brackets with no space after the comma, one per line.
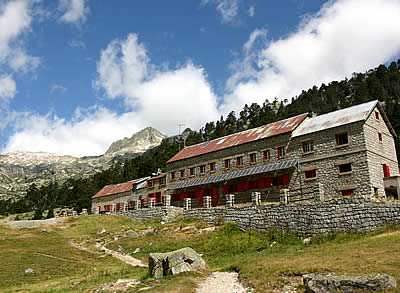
[310,174]
[191,171]
[162,181]
[172,175]
[386,170]
[345,168]
[347,192]
[202,169]
[182,173]
[342,139]
[281,152]
[308,146]
[253,158]
[377,115]
[150,184]
[266,155]
[380,137]
[227,163]
[239,161]
[212,166]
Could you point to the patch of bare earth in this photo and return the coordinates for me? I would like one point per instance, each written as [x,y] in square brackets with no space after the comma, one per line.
[222,282]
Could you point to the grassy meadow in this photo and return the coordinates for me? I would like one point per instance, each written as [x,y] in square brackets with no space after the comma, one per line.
[266,261]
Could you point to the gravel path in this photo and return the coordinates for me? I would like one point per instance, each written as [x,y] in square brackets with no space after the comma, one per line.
[222,282]
[33,223]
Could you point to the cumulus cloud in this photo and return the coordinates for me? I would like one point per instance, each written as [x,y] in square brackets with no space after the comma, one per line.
[153,97]
[163,98]
[345,36]
[8,87]
[74,11]
[228,9]
[15,20]
[89,132]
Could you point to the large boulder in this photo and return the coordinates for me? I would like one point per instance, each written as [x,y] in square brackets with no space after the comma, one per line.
[319,283]
[175,262]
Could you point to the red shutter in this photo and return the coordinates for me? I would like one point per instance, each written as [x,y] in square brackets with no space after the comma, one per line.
[386,170]
[285,180]
[225,189]
[268,182]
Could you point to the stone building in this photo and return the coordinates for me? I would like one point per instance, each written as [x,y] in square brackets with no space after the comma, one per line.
[349,152]
[134,194]
[118,197]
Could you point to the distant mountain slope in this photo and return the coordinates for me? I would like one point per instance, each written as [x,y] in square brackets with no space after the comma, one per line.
[19,170]
[139,142]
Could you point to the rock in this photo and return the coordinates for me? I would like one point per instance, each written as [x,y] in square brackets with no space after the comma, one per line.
[319,283]
[306,240]
[102,231]
[175,262]
[29,271]
[147,231]
[137,250]
[132,234]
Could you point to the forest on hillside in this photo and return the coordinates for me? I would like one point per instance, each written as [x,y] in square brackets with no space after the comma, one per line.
[381,83]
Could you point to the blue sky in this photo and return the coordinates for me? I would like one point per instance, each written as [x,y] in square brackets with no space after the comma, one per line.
[75,75]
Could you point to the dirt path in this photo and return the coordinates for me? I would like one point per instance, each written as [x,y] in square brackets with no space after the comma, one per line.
[125,258]
[222,282]
[29,224]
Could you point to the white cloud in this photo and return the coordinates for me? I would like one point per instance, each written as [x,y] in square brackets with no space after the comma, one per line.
[15,20]
[345,36]
[88,133]
[159,98]
[74,11]
[57,88]
[7,87]
[228,9]
[252,11]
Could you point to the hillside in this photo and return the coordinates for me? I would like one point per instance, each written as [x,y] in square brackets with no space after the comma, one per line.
[381,83]
[67,258]
[21,169]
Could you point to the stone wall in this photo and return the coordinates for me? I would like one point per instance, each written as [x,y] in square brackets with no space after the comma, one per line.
[165,214]
[307,218]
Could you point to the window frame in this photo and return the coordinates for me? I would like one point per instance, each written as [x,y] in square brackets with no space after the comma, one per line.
[253,158]
[239,161]
[377,115]
[345,172]
[309,144]
[202,169]
[312,177]
[213,166]
[191,171]
[380,137]
[182,173]
[278,153]
[227,164]
[266,155]
[338,135]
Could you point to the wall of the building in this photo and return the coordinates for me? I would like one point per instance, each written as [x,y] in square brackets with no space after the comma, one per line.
[379,153]
[327,156]
[110,200]
[157,188]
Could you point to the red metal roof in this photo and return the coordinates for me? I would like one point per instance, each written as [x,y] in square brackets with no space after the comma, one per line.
[268,130]
[117,188]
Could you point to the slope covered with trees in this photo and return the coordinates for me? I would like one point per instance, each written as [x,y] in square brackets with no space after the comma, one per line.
[381,83]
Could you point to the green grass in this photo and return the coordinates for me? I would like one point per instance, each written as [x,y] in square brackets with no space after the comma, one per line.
[265,260]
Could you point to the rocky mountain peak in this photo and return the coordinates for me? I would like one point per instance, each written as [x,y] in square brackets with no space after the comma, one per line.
[139,142]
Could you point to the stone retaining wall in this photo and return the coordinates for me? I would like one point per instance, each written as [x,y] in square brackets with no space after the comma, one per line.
[165,214]
[306,218]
